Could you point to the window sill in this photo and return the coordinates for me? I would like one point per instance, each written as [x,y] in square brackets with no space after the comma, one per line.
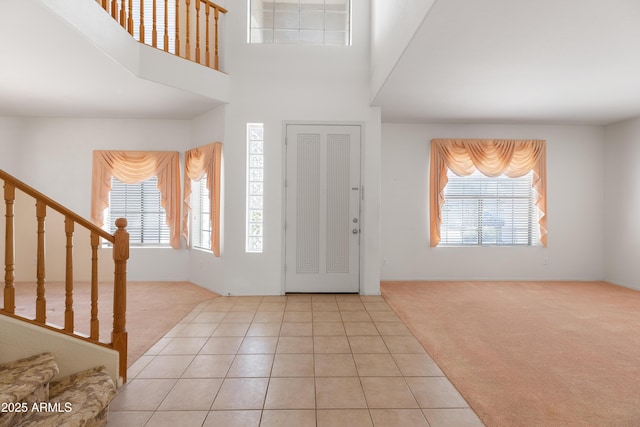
[489,246]
[207,251]
[134,247]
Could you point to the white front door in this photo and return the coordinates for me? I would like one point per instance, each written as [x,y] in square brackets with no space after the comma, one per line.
[322,225]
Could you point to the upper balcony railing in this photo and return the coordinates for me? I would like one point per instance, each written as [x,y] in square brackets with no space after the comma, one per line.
[186,28]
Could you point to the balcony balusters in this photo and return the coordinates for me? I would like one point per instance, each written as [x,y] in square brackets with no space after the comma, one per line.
[197,26]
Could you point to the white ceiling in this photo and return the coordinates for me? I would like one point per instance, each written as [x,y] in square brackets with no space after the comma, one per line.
[501,61]
[54,72]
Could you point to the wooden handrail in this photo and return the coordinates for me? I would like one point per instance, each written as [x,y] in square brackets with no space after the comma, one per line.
[132,19]
[55,205]
[120,241]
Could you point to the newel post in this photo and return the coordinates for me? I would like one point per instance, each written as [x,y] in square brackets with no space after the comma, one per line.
[9,250]
[120,257]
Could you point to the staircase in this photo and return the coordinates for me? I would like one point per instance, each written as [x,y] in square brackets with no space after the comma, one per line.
[30,395]
[72,348]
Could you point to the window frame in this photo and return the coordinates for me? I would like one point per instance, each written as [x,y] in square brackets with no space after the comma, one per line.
[136,226]
[135,166]
[254,240]
[489,204]
[302,30]
[200,224]
[492,157]
[204,161]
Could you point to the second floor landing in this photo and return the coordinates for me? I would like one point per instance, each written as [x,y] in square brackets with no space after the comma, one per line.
[72,59]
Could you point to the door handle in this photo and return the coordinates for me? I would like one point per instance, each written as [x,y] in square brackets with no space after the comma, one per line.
[354,231]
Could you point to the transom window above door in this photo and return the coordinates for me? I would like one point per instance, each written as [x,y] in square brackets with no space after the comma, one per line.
[318,22]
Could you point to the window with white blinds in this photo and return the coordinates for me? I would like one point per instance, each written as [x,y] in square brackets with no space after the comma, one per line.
[485,211]
[200,215]
[320,22]
[141,205]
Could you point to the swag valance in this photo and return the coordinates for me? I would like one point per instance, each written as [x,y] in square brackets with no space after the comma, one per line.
[198,162]
[132,167]
[491,157]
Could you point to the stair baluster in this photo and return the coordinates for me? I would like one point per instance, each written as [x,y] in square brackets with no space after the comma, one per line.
[68,301]
[187,46]
[177,47]
[141,39]
[9,248]
[94,328]
[114,9]
[166,25]
[154,31]
[41,302]
[130,18]
[123,14]
[207,53]
[216,16]
[198,31]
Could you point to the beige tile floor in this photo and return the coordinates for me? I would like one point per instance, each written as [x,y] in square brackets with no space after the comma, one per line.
[296,360]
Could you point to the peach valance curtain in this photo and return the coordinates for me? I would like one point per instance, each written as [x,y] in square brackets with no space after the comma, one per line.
[491,157]
[132,167]
[198,162]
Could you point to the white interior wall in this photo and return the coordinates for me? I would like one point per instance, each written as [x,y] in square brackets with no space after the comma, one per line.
[394,24]
[55,158]
[622,203]
[273,84]
[205,269]
[11,136]
[21,339]
[575,192]
[141,60]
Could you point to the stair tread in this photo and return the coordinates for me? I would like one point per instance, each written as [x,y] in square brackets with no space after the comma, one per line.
[76,400]
[21,378]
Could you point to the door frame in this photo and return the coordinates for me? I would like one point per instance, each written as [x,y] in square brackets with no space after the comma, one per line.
[283,235]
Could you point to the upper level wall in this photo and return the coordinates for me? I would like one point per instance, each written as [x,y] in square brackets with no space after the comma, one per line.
[54,156]
[141,60]
[393,25]
[205,269]
[11,137]
[273,84]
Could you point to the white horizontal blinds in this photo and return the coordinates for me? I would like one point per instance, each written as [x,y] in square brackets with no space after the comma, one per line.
[141,205]
[200,208]
[325,22]
[480,210]
[160,22]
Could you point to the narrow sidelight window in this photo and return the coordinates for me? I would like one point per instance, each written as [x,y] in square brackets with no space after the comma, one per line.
[255,187]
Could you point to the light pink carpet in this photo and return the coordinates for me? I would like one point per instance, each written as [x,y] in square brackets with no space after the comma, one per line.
[153,308]
[532,353]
